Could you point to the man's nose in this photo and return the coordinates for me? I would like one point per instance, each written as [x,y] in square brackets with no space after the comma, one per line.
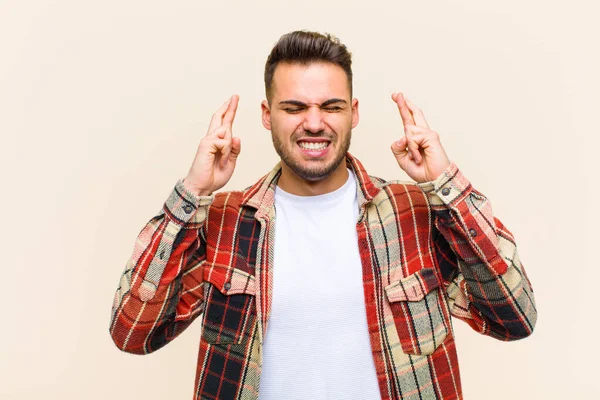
[313,120]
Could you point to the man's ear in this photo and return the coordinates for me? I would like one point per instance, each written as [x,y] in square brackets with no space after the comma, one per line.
[354,112]
[266,114]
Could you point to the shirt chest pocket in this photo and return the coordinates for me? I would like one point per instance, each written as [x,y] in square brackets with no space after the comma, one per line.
[230,306]
[419,311]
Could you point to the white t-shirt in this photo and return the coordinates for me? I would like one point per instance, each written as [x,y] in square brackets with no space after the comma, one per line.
[317,342]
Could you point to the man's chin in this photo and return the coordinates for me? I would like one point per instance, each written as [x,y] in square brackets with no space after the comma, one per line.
[318,171]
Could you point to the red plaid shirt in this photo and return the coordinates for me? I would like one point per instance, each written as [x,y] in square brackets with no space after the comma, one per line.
[429,251]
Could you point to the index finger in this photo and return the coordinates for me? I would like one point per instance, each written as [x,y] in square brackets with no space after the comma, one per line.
[405,114]
[231,110]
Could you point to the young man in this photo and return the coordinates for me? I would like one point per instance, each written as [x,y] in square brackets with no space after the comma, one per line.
[320,281]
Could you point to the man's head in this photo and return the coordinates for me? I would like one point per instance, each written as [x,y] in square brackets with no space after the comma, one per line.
[309,108]
[304,48]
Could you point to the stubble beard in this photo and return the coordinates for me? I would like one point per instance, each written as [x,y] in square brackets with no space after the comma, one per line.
[315,173]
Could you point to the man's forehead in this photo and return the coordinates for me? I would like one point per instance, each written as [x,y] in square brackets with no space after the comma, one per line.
[312,83]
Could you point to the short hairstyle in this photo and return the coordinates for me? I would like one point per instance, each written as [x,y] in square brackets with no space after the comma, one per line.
[304,48]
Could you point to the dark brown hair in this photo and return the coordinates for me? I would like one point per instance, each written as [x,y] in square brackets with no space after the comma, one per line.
[306,47]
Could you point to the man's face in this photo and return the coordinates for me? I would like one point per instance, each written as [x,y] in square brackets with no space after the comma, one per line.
[310,117]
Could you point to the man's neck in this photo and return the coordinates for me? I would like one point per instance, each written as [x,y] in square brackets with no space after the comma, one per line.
[296,185]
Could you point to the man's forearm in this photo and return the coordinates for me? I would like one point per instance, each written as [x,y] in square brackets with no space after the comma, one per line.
[168,255]
[491,291]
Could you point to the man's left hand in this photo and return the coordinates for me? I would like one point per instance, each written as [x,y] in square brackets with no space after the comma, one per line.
[419,152]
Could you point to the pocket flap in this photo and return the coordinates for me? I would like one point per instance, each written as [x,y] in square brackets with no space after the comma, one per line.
[230,280]
[413,287]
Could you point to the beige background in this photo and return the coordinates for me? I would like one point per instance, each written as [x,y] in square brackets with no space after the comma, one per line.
[102,105]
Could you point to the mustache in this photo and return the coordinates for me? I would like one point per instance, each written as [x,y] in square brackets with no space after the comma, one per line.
[320,134]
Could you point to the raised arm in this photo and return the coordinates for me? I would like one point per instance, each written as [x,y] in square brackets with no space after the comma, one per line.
[484,278]
[161,290]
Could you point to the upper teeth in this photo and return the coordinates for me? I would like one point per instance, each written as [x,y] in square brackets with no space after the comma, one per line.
[313,145]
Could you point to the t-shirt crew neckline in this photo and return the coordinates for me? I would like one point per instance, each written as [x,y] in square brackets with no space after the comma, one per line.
[325,198]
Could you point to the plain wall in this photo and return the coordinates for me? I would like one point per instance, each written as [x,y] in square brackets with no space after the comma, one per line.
[102,106]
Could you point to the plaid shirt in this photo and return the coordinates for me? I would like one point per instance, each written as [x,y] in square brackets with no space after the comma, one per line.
[429,251]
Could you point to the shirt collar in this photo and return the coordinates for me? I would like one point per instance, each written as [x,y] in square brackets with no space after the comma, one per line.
[261,195]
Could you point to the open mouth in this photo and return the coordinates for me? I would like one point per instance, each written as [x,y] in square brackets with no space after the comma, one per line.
[314,148]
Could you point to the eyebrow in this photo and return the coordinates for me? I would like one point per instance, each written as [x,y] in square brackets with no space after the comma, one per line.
[302,104]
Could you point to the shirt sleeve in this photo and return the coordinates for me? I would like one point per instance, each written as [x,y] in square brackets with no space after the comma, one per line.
[485,281]
[161,289]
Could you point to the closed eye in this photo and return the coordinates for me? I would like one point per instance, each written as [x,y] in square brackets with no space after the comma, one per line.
[293,110]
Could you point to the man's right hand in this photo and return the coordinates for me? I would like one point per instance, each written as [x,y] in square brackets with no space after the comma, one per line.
[217,153]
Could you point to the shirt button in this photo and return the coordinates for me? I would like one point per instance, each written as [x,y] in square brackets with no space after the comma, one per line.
[227,286]
[472,232]
[446,191]
[188,209]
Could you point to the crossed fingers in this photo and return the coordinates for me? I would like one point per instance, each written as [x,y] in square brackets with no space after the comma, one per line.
[222,120]
[415,127]
[220,127]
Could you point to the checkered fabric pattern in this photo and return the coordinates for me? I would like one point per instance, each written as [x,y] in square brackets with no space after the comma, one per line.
[429,251]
